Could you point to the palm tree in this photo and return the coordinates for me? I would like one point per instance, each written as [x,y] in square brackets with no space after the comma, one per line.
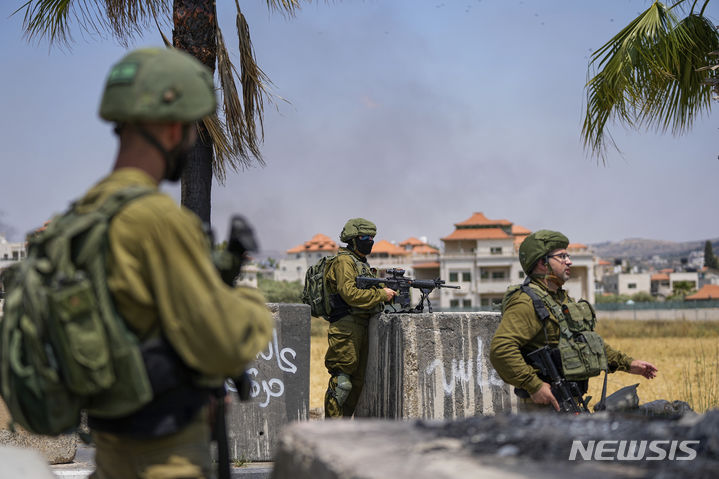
[656,73]
[235,135]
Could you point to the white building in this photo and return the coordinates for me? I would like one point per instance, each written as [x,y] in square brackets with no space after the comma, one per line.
[685,277]
[301,257]
[248,275]
[481,256]
[9,253]
[629,284]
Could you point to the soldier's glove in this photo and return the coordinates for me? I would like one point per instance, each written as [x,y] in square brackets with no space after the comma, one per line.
[344,386]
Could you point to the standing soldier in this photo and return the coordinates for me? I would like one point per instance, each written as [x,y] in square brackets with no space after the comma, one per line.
[351,310]
[540,313]
[161,277]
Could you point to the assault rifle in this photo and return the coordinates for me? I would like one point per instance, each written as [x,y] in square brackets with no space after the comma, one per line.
[564,391]
[395,280]
[240,241]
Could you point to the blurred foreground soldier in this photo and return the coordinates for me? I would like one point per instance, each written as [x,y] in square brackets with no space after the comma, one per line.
[540,313]
[352,308]
[194,329]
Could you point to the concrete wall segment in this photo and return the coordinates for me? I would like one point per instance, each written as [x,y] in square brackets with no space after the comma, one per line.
[432,366]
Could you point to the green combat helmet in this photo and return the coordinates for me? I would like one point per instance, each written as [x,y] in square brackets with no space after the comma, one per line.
[357,227]
[158,85]
[538,245]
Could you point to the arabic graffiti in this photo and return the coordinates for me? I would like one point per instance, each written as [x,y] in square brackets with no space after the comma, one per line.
[272,387]
[461,372]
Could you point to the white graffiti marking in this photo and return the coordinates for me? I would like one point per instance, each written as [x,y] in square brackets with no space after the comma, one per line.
[461,372]
[272,387]
[492,378]
[273,349]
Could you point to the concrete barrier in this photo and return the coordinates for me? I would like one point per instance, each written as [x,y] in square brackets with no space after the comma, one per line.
[538,445]
[280,387]
[23,463]
[432,366]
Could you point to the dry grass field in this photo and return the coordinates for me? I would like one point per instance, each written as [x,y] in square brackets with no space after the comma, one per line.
[685,352]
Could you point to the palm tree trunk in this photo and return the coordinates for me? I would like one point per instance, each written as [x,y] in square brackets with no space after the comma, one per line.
[195,22]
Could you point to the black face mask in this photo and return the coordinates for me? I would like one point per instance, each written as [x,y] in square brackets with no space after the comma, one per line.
[176,164]
[364,247]
[178,157]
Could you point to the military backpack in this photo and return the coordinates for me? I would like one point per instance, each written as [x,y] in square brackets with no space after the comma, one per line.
[315,292]
[63,346]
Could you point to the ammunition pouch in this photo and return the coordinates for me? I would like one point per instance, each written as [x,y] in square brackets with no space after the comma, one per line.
[176,399]
[582,355]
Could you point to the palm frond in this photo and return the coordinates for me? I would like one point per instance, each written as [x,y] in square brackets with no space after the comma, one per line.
[123,18]
[288,7]
[648,76]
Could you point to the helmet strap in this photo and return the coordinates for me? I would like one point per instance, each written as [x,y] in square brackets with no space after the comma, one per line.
[174,164]
[549,276]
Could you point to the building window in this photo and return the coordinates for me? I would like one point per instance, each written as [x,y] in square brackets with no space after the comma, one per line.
[485,302]
[466,303]
[484,274]
[495,250]
[453,277]
[298,256]
[14,255]
[521,274]
[497,274]
[454,303]
[466,277]
[632,285]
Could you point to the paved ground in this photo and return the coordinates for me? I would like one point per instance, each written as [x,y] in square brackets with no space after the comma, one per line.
[84,465]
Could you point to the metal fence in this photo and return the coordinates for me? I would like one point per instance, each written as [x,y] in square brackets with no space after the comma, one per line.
[657,305]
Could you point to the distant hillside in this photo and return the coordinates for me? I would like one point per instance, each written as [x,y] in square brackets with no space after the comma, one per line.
[646,248]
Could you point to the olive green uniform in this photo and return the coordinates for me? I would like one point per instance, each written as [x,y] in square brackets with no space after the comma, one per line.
[161,277]
[347,336]
[521,331]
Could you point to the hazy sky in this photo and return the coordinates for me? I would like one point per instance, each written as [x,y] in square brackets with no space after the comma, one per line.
[413,114]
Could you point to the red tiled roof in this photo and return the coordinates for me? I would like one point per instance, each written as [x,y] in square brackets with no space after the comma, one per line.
[520,230]
[385,246]
[604,262]
[427,265]
[425,249]
[666,270]
[478,233]
[319,242]
[411,242]
[577,246]
[708,291]
[478,219]
[659,277]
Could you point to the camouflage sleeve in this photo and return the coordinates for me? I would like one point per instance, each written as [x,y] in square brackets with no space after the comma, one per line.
[518,326]
[216,329]
[344,272]
[617,360]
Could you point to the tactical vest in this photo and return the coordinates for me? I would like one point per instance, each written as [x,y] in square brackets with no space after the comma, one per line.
[581,349]
[339,306]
